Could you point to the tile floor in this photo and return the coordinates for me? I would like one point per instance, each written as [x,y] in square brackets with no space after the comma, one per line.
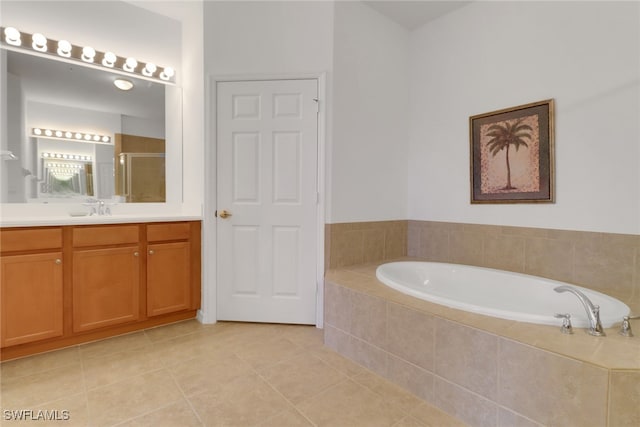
[227,374]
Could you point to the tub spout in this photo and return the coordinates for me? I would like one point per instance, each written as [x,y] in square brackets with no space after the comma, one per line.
[593,311]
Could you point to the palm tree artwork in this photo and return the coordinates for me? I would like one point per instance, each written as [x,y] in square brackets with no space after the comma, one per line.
[502,136]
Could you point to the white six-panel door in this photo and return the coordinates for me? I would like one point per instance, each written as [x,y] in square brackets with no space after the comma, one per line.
[267,156]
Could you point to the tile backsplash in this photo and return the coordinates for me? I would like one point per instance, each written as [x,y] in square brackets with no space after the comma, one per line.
[606,262]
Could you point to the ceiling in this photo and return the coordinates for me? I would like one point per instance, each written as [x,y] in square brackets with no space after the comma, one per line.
[61,83]
[96,91]
[413,14]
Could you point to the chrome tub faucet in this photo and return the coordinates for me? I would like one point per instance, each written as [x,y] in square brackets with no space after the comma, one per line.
[593,311]
[625,329]
[566,327]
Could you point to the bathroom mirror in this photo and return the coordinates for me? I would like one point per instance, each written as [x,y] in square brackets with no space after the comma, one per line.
[87,131]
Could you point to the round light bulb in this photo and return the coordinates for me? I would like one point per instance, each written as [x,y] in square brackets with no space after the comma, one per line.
[87,137]
[37,131]
[64,48]
[109,59]
[78,135]
[149,69]
[45,154]
[96,137]
[167,73]
[48,132]
[88,53]
[59,133]
[105,139]
[12,36]
[39,42]
[68,134]
[130,64]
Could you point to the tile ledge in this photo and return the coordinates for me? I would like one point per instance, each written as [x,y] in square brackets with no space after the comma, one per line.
[587,349]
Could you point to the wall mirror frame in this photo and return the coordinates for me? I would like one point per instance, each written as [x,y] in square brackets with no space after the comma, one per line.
[143,127]
[56,97]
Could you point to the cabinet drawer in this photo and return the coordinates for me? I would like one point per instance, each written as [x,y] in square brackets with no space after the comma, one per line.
[168,231]
[30,239]
[105,235]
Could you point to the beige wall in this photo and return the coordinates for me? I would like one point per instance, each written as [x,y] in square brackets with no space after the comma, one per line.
[459,68]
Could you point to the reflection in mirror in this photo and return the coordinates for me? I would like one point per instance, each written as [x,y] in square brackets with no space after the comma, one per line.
[62,100]
[138,177]
[65,175]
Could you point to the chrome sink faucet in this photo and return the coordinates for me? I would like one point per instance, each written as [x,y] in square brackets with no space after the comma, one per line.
[593,311]
[98,207]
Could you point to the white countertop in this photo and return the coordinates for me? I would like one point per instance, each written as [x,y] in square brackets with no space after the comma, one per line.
[92,220]
[34,215]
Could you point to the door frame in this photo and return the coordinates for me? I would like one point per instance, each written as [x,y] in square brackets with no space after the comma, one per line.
[208,310]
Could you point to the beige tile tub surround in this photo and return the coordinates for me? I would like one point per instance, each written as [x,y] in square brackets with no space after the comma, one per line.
[605,262]
[482,370]
[362,242]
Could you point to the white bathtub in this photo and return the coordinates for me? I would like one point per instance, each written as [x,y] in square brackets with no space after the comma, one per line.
[496,293]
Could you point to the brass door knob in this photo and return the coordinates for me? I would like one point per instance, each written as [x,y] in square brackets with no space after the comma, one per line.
[223,214]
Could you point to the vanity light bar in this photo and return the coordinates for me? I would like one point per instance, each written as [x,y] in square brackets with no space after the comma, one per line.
[67,134]
[61,156]
[69,166]
[63,173]
[86,54]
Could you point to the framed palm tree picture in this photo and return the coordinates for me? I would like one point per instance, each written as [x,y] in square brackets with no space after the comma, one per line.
[512,155]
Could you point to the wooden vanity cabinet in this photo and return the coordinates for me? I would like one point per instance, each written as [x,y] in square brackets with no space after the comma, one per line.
[106,276]
[31,285]
[31,297]
[72,284]
[168,268]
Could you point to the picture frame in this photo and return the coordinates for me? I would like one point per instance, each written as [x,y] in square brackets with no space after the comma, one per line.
[512,154]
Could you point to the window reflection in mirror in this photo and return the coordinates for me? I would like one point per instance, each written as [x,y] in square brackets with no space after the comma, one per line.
[47,94]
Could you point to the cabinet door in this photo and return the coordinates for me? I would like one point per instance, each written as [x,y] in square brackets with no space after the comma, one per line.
[168,278]
[31,300]
[105,287]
